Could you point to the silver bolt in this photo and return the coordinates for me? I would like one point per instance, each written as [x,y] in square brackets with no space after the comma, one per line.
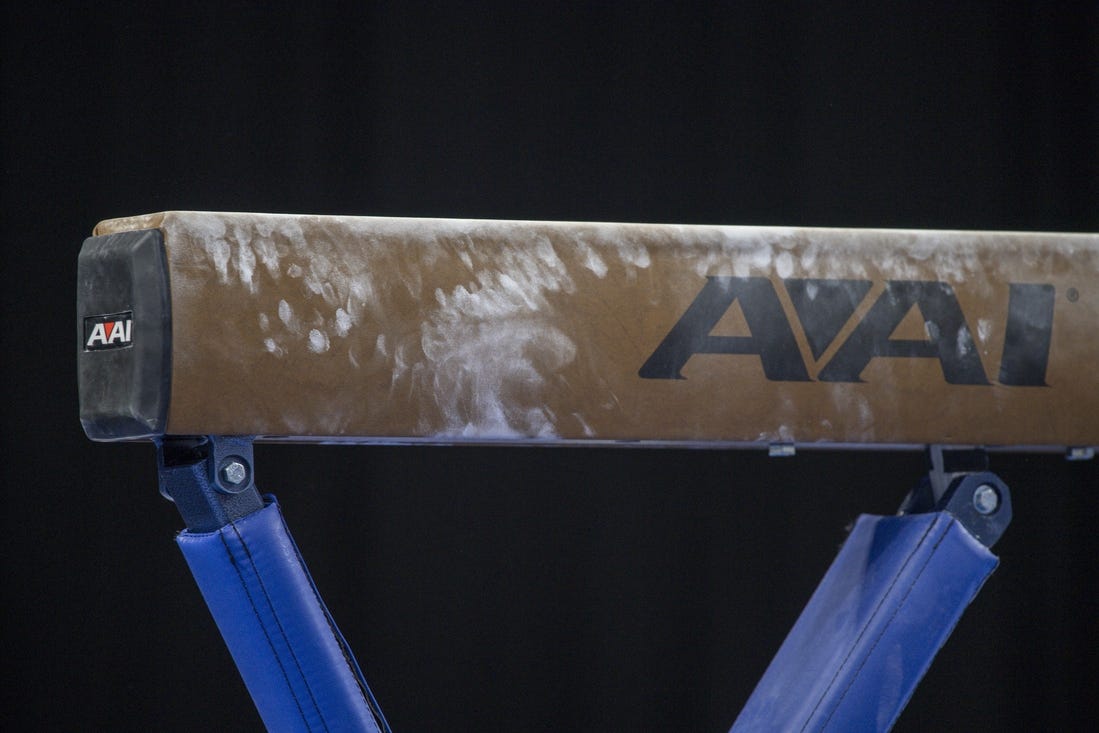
[1077,453]
[234,473]
[986,499]
[781,450]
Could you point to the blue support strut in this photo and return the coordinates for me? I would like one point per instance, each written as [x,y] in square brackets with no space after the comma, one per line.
[293,659]
[884,609]
[296,665]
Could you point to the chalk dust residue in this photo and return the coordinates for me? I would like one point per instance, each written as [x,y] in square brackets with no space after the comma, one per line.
[380,296]
[984,329]
[490,349]
[343,322]
[318,341]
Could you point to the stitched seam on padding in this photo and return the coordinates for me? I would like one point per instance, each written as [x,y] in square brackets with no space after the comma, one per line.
[335,633]
[278,623]
[908,592]
[862,632]
[263,627]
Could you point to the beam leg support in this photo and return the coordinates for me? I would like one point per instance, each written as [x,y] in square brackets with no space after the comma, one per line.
[296,665]
[883,610]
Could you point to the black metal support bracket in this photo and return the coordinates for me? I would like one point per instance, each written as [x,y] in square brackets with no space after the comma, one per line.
[960,483]
[209,478]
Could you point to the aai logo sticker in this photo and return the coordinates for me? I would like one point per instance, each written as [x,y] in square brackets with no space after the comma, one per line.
[111,331]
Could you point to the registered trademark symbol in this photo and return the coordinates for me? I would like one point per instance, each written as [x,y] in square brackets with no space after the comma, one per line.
[1073,295]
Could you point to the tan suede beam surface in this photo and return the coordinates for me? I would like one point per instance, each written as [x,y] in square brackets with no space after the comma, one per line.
[386,329]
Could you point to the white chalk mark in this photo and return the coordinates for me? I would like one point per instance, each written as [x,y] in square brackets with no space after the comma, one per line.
[318,341]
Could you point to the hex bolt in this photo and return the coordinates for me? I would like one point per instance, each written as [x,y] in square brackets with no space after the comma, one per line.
[234,473]
[986,499]
[1080,453]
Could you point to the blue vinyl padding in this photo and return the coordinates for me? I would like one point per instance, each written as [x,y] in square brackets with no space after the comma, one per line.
[294,662]
[884,609]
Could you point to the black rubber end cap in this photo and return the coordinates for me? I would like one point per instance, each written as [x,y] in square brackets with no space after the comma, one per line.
[124,336]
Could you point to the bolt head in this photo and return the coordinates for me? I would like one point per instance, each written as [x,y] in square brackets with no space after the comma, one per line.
[986,499]
[234,473]
[1085,453]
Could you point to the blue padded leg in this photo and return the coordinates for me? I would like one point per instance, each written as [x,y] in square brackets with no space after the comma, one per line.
[871,629]
[295,663]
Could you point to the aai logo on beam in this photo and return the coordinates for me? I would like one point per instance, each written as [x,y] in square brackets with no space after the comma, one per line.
[111,331]
[824,307]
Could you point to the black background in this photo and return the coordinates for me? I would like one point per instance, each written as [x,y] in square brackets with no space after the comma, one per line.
[525,589]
